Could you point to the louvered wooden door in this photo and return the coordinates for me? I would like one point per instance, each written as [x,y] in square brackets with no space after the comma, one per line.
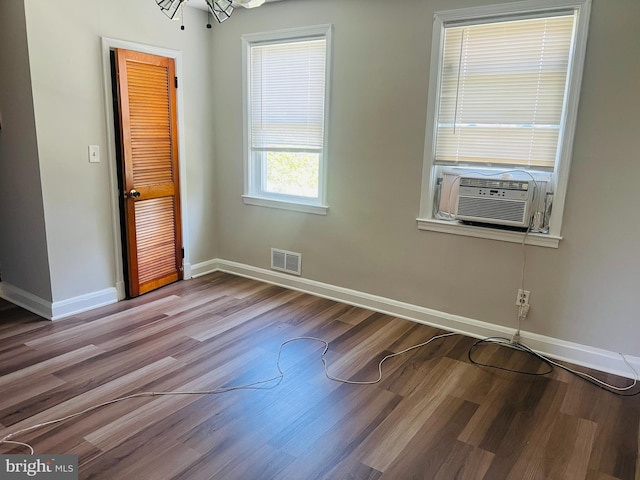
[149,156]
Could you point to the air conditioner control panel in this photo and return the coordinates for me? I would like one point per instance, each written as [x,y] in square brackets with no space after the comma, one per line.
[496,193]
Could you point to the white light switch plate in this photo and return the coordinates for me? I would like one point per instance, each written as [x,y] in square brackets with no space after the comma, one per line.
[94,153]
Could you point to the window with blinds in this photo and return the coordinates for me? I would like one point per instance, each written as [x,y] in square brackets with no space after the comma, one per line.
[287,95]
[502,92]
[286,85]
[504,87]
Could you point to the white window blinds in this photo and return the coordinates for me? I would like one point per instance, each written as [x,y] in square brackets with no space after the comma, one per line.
[502,92]
[287,95]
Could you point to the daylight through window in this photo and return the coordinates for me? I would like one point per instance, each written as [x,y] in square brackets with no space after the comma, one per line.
[286,95]
[503,99]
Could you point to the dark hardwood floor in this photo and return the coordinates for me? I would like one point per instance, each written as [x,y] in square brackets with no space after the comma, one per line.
[433,416]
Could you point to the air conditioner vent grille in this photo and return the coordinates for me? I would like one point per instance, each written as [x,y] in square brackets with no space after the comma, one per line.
[491,209]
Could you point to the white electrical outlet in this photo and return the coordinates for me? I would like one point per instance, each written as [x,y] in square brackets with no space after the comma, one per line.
[523,297]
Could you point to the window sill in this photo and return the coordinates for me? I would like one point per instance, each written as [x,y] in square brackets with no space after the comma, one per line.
[443,226]
[284,205]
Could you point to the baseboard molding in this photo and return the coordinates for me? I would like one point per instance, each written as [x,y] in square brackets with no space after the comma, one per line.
[83,303]
[587,356]
[60,309]
[26,300]
[203,268]
[584,355]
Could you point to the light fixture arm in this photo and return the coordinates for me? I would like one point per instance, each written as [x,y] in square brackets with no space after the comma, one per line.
[170,7]
[249,3]
[221,9]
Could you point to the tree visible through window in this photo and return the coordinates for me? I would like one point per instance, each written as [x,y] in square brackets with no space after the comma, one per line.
[292,173]
[286,89]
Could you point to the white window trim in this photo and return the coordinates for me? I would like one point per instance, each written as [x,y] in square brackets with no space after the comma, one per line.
[426,221]
[299,204]
[285,205]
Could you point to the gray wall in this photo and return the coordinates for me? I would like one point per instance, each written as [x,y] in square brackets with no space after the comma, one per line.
[584,292]
[66,66]
[23,245]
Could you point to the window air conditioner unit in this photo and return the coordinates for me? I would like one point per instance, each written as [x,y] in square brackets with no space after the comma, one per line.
[495,201]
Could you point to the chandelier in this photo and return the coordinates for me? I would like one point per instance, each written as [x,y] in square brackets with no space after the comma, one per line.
[221,9]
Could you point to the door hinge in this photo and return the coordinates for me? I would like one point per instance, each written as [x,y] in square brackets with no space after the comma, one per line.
[176,81]
[182,252]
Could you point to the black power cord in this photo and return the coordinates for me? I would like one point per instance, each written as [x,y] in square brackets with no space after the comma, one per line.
[523,348]
[507,343]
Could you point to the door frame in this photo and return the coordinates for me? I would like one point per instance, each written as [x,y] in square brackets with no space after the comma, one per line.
[109,44]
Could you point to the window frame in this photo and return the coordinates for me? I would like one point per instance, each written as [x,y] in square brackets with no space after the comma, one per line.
[426,219]
[254,194]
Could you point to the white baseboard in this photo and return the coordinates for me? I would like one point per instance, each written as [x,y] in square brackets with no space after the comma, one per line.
[83,303]
[587,356]
[60,309]
[591,357]
[200,269]
[26,300]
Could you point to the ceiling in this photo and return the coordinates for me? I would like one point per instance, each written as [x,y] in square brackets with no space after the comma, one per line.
[202,5]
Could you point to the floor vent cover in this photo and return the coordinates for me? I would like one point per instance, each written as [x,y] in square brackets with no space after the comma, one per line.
[284,261]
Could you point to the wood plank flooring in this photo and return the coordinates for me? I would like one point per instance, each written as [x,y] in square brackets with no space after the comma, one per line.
[433,416]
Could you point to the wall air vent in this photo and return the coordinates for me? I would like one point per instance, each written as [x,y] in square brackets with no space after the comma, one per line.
[284,261]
